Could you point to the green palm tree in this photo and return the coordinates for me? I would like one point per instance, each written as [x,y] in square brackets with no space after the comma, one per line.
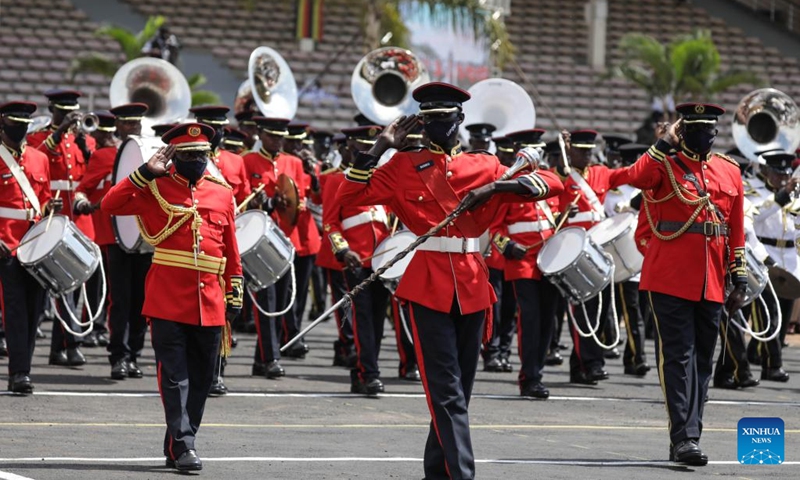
[686,69]
[131,45]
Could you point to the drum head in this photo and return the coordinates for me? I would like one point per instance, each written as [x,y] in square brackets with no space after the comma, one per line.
[561,250]
[250,227]
[611,228]
[39,241]
[127,232]
[387,250]
[132,154]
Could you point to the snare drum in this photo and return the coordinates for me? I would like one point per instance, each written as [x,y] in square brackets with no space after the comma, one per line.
[575,264]
[266,252]
[757,276]
[61,258]
[386,251]
[616,236]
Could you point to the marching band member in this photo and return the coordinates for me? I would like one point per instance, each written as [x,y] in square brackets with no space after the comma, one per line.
[585,189]
[24,197]
[67,153]
[195,283]
[694,209]
[480,136]
[233,140]
[246,124]
[354,233]
[446,284]
[160,129]
[126,271]
[618,200]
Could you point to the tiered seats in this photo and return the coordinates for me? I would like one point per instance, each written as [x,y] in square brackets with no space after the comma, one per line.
[40,38]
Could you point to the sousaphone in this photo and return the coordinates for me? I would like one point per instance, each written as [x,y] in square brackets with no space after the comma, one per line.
[502,103]
[383,81]
[766,119]
[156,83]
[270,87]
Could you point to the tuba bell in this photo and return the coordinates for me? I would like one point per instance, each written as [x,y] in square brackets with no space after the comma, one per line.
[502,103]
[270,87]
[766,119]
[157,84]
[382,83]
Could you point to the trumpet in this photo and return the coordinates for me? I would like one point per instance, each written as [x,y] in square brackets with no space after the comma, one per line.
[87,123]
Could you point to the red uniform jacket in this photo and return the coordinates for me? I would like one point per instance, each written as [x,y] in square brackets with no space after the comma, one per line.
[67,168]
[95,183]
[362,239]
[325,257]
[601,179]
[34,164]
[514,214]
[435,279]
[174,290]
[262,168]
[232,168]
[692,266]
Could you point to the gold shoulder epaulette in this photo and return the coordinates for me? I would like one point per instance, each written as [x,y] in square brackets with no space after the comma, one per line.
[726,157]
[218,181]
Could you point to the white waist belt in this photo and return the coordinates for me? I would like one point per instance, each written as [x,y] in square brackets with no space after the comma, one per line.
[68,185]
[581,217]
[362,218]
[451,245]
[525,227]
[16,213]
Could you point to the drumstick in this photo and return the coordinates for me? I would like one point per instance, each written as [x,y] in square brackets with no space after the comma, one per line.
[27,241]
[394,225]
[249,197]
[375,255]
[561,222]
[52,211]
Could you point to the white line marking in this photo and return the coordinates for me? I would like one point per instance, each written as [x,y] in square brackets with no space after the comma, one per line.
[603,463]
[12,476]
[409,395]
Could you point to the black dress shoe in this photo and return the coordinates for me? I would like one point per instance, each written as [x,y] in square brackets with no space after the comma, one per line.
[412,375]
[774,374]
[3,348]
[562,346]
[298,351]
[507,367]
[688,452]
[612,354]
[493,365]
[553,358]
[89,341]
[727,382]
[535,390]
[749,382]
[274,370]
[581,378]
[370,387]
[342,359]
[75,358]
[133,370]
[234,341]
[169,463]
[188,462]
[40,334]
[102,339]
[20,383]
[598,373]
[639,370]
[119,371]
[218,388]
[59,358]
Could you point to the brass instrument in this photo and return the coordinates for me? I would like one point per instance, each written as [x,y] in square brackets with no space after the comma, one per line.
[270,86]
[502,103]
[766,119]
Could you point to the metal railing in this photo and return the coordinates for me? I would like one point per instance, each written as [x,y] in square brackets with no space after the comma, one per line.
[782,12]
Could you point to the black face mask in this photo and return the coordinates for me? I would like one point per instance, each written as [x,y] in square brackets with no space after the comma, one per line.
[441,132]
[699,141]
[192,167]
[16,132]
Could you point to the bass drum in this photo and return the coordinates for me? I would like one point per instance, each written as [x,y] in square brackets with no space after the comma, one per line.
[386,251]
[266,252]
[134,152]
[575,264]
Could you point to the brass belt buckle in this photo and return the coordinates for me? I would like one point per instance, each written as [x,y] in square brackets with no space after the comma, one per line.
[780,243]
[709,230]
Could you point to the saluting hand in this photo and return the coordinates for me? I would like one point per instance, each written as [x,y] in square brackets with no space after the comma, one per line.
[397,131]
[672,135]
[158,162]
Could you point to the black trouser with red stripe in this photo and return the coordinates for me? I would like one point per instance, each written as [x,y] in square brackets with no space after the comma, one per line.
[369,317]
[22,300]
[185,360]
[127,325]
[537,307]
[402,330]
[586,353]
[732,358]
[627,300]
[448,348]
[504,317]
[345,344]
[304,266]
[768,353]
[267,343]
[686,334]
[319,289]
[558,321]
[290,323]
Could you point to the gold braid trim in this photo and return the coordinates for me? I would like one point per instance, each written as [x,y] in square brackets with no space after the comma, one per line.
[218,181]
[677,191]
[183,214]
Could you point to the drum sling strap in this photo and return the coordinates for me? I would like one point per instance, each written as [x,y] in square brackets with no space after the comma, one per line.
[443,193]
[21,179]
[588,192]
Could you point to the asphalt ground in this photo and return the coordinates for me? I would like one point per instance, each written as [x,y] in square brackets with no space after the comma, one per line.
[81,424]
